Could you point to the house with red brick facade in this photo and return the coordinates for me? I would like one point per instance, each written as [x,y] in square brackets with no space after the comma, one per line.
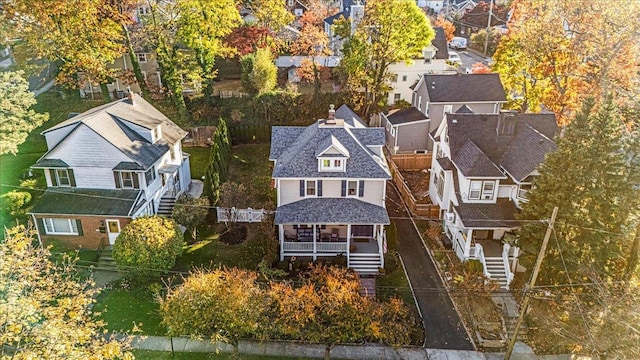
[105,167]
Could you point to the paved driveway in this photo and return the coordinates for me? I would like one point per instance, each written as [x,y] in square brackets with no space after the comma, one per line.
[442,324]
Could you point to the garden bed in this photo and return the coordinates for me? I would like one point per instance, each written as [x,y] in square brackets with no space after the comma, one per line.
[418,182]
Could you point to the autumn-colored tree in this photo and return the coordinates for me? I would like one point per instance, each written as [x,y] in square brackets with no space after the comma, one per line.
[17,119]
[271,14]
[82,39]
[480,68]
[148,244]
[202,27]
[46,309]
[447,26]
[224,305]
[312,42]
[390,32]
[191,212]
[247,38]
[559,52]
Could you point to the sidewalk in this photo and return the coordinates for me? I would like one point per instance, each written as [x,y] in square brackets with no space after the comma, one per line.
[316,351]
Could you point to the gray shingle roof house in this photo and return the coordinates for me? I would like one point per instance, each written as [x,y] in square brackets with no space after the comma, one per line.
[105,166]
[406,130]
[436,95]
[484,164]
[331,179]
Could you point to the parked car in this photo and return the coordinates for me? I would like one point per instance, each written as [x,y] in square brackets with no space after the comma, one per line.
[458,43]
[454,57]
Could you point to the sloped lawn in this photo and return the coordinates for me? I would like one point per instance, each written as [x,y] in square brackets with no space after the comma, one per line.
[125,307]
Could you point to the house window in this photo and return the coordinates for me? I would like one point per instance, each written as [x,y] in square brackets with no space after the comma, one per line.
[310,188]
[126,180]
[393,132]
[439,152]
[419,102]
[404,77]
[481,189]
[352,188]
[143,10]
[150,175]
[142,57]
[439,182]
[332,164]
[396,97]
[62,175]
[61,226]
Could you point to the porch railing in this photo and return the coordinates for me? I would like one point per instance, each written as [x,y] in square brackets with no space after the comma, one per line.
[477,252]
[505,262]
[333,247]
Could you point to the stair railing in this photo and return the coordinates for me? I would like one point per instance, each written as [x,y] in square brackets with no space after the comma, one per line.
[102,245]
[505,262]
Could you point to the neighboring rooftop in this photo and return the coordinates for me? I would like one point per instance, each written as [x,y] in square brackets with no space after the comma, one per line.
[406,115]
[483,144]
[464,88]
[73,201]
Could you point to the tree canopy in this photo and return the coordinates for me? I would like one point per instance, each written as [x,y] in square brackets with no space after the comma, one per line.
[557,53]
[46,309]
[148,244]
[259,72]
[82,38]
[17,119]
[390,32]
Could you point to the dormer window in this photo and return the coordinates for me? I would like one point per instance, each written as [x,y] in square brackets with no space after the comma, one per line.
[332,164]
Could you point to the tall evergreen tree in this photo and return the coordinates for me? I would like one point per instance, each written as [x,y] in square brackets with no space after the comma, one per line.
[590,179]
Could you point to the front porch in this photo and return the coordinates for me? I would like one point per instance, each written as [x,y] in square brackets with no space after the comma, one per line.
[363,245]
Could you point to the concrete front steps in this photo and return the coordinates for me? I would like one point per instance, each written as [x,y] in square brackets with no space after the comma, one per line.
[166,206]
[106,261]
[495,266]
[365,264]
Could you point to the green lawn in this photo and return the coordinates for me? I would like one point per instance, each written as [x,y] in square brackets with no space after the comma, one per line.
[121,307]
[250,166]
[198,159]
[160,355]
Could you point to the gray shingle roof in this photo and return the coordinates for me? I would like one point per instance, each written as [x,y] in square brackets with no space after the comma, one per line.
[519,154]
[50,163]
[462,88]
[330,141]
[464,109]
[331,211]
[490,216]
[472,162]
[349,116]
[126,165]
[113,122]
[73,201]
[295,152]
[370,136]
[440,42]
[406,115]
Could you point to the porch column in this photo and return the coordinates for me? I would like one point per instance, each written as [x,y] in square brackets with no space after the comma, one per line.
[348,243]
[315,254]
[467,243]
[281,239]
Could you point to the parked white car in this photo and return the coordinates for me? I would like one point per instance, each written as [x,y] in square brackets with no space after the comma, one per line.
[454,57]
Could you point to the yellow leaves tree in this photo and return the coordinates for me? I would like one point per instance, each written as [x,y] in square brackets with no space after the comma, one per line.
[82,37]
[45,308]
[557,53]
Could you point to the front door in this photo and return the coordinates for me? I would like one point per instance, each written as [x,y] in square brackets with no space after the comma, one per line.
[113,229]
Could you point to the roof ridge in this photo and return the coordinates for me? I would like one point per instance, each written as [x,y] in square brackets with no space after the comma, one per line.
[368,151]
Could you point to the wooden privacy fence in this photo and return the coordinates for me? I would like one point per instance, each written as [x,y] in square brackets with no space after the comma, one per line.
[200,136]
[412,162]
[428,210]
[239,215]
[247,133]
[226,94]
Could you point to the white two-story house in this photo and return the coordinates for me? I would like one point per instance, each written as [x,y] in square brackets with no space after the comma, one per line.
[482,168]
[331,180]
[105,167]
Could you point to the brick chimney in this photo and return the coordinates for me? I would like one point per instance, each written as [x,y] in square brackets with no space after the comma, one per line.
[130,95]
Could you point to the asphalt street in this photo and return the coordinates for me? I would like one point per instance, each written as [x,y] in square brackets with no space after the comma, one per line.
[442,324]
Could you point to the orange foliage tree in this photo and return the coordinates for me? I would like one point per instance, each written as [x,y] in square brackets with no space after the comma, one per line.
[559,52]
[447,26]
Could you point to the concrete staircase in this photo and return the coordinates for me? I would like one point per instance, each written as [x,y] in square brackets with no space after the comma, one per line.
[166,206]
[495,266]
[365,263]
[106,261]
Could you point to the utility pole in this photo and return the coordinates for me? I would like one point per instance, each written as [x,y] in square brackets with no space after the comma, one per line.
[527,296]
[486,38]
